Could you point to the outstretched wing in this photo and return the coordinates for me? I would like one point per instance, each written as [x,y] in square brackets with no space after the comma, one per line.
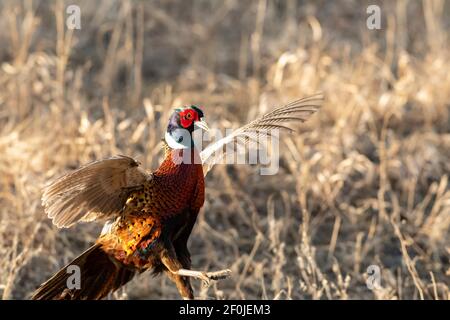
[96,191]
[279,118]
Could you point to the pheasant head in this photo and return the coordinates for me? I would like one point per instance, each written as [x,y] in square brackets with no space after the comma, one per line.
[182,124]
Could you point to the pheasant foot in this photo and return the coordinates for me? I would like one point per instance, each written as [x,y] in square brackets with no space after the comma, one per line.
[206,277]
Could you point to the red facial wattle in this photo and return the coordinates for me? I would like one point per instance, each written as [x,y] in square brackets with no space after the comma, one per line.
[187,117]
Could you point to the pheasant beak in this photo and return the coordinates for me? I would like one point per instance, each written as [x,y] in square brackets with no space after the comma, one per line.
[201,124]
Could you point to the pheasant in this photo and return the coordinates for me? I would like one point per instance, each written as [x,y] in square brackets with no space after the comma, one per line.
[149,216]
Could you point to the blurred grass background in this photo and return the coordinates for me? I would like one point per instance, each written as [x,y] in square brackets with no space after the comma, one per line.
[365,182]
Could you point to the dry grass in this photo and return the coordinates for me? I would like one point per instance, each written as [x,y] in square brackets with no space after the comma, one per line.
[364,182]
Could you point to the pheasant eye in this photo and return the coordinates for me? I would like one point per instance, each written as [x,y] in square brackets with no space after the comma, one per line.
[188,116]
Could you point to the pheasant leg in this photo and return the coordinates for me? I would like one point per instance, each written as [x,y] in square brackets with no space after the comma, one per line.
[206,277]
[183,285]
[171,262]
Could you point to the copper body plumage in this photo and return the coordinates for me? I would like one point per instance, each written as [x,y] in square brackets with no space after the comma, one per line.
[149,216]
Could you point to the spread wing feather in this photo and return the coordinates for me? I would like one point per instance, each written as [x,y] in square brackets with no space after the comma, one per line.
[94,192]
[279,118]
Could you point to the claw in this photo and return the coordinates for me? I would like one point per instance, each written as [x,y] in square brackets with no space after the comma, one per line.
[218,275]
[206,280]
[215,275]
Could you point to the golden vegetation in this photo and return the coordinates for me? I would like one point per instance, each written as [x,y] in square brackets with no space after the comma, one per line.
[365,182]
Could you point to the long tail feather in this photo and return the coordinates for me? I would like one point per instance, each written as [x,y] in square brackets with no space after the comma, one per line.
[99,276]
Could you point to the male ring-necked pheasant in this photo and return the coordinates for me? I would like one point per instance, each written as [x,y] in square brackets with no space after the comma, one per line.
[149,216]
